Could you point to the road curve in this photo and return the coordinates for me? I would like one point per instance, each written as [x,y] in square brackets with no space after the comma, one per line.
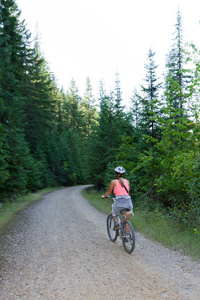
[58,248]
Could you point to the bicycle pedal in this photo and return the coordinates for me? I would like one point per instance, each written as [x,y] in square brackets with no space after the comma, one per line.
[116,226]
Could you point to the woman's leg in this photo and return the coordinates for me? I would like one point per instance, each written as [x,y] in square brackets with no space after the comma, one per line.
[128,214]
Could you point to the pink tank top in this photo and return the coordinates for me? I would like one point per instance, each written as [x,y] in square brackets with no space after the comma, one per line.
[120,190]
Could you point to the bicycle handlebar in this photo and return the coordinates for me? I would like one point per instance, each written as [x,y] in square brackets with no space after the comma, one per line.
[113,198]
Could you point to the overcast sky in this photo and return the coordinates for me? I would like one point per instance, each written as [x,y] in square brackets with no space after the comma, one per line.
[97,38]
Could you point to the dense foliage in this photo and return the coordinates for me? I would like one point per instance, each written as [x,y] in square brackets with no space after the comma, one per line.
[49,137]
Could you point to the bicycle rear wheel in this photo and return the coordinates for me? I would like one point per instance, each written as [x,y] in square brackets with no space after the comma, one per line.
[110,225]
[128,239]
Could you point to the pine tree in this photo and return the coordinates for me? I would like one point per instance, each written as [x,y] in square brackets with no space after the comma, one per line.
[135,109]
[106,138]
[16,157]
[150,101]
[176,125]
[139,150]
[176,119]
[72,134]
[88,109]
[178,76]
[72,107]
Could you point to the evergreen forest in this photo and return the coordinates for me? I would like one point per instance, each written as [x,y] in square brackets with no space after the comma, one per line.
[50,138]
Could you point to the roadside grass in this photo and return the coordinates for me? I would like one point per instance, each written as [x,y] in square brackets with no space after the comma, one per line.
[8,209]
[154,225]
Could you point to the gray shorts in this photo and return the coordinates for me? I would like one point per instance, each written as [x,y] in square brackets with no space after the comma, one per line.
[121,203]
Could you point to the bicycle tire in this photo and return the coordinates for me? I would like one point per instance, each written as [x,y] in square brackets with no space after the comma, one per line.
[113,234]
[129,240]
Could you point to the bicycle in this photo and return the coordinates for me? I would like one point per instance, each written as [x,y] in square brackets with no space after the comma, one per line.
[125,230]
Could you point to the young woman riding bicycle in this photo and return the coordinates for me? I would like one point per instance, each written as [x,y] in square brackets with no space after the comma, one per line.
[120,187]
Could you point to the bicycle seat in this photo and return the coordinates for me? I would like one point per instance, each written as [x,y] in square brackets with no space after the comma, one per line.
[124,210]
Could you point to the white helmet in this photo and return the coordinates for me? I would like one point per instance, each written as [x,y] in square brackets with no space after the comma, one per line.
[120,170]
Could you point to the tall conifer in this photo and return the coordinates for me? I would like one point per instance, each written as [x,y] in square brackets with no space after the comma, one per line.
[13,43]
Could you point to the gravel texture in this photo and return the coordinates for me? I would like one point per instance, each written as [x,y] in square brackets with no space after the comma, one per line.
[58,248]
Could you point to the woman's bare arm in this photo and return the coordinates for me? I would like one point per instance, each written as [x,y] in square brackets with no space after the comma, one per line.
[111,187]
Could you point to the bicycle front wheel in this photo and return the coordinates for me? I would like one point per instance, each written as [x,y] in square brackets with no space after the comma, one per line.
[110,228]
[128,239]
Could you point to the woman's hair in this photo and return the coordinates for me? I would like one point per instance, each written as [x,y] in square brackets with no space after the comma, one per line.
[119,177]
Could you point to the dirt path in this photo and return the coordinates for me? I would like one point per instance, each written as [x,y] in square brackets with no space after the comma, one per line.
[59,249]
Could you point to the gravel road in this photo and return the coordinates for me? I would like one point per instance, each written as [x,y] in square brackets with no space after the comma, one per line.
[58,248]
